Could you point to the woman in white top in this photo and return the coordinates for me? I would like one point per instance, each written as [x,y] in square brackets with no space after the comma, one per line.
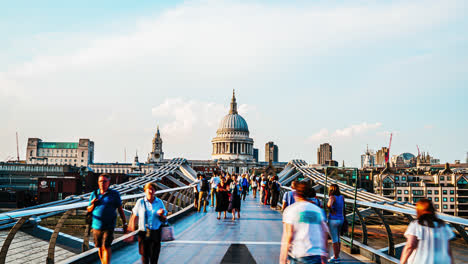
[427,237]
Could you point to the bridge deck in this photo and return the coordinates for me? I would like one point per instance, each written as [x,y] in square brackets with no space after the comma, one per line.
[201,238]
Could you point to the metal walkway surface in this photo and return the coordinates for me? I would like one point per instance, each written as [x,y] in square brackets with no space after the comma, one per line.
[201,238]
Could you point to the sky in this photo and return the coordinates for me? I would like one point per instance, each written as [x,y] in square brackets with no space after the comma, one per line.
[305,73]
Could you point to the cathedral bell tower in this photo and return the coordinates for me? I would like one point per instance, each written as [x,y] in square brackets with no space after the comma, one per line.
[156,155]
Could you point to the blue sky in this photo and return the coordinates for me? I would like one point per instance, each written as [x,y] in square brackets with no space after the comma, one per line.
[305,72]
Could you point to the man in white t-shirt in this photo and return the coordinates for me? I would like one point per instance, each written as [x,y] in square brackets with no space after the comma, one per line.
[305,232]
[214,185]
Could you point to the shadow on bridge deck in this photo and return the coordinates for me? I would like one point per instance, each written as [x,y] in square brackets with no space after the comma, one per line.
[201,238]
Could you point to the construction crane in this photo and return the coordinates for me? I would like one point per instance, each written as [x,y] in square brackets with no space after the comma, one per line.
[388,152]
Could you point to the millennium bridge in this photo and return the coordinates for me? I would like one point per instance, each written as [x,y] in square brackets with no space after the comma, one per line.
[376,225]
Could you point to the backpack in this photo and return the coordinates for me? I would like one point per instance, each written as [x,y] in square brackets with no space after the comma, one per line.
[204,186]
[245,182]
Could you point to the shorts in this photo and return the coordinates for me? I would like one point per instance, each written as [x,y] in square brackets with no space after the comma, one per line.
[103,237]
[335,229]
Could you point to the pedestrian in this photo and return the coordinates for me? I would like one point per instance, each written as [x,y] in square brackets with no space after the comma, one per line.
[103,204]
[305,232]
[268,190]
[245,186]
[336,205]
[313,198]
[288,197]
[203,195]
[222,198]
[234,198]
[196,191]
[275,192]
[254,184]
[262,188]
[149,212]
[214,185]
[427,237]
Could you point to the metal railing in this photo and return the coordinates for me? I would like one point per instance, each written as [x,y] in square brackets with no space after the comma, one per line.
[175,199]
[380,214]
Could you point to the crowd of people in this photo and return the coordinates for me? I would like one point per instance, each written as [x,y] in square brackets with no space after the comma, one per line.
[306,227]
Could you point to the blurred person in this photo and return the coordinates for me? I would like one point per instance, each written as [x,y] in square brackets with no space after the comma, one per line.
[149,212]
[313,198]
[288,197]
[335,219]
[305,232]
[428,237]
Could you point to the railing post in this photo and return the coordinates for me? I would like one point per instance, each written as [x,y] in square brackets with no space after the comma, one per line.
[391,243]
[169,202]
[53,238]
[85,245]
[9,238]
[325,192]
[354,213]
[363,226]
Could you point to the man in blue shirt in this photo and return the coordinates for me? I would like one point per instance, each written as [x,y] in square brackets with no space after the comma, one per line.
[103,204]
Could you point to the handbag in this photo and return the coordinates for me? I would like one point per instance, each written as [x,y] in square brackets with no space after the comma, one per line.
[167,232]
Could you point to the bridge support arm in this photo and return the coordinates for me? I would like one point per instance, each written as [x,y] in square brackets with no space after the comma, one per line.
[391,242]
[363,226]
[53,238]
[461,231]
[10,236]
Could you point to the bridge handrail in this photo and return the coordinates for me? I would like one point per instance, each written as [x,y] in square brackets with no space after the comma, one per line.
[77,205]
[446,218]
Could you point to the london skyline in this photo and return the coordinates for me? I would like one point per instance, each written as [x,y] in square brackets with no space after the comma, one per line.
[304,73]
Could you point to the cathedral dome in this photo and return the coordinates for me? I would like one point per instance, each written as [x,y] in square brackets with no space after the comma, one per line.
[233,122]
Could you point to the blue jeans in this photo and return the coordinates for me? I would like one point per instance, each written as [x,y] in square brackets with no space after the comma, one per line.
[335,229]
[306,260]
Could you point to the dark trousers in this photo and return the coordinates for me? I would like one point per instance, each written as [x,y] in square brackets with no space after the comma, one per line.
[149,247]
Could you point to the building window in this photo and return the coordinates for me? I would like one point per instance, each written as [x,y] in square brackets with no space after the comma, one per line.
[449,178]
[437,206]
[82,154]
[452,206]
[444,191]
[444,199]
[403,178]
[429,198]
[406,192]
[436,192]
[452,192]
[436,199]
[452,199]
[442,178]
[445,206]
[429,192]
[397,178]
[399,191]
[399,198]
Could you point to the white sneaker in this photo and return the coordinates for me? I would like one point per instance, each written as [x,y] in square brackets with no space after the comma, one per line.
[334,260]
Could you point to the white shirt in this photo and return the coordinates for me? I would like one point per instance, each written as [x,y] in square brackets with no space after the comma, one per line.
[214,182]
[432,243]
[153,221]
[308,226]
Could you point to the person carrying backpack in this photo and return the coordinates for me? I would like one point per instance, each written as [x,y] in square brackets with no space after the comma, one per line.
[203,194]
[245,186]
[275,192]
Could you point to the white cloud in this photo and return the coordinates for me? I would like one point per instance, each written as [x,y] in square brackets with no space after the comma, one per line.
[181,117]
[242,35]
[347,132]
